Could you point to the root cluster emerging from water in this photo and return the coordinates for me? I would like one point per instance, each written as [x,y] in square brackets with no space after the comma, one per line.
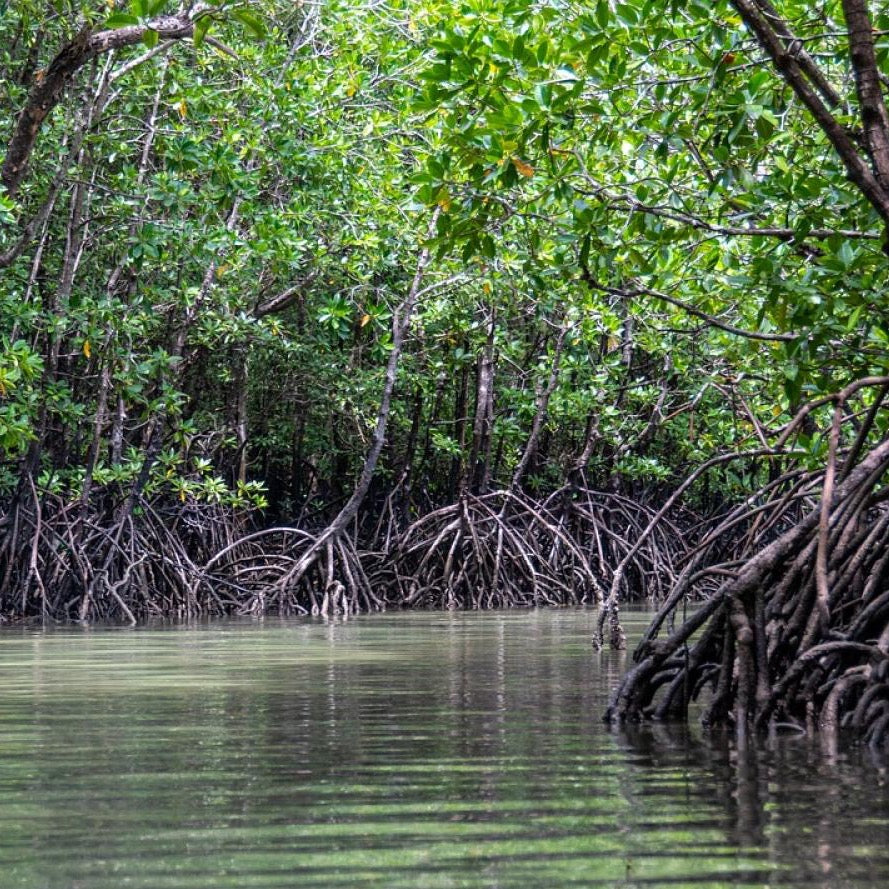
[503,549]
[797,633]
[126,562]
[777,616]
[134,560]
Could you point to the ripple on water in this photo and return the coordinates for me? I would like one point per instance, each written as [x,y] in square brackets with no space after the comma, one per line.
[405,750]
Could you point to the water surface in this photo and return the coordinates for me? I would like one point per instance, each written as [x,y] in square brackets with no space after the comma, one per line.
[400,750]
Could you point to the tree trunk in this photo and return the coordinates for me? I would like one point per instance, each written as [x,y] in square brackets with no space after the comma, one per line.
[479,461]
[544,393]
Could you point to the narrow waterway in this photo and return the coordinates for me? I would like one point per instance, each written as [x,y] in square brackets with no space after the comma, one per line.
[399,750]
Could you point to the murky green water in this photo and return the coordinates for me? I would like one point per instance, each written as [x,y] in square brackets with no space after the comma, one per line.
[402,750]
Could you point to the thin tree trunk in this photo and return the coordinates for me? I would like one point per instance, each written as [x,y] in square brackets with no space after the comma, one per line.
[401,320]
[240,412]
[458,466]
[544,393]
[479,461]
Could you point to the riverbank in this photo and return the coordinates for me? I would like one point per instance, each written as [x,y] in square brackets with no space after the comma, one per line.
[144,560]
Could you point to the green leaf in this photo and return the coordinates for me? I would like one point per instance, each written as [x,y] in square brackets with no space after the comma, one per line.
[156,8]
[251,22]
[585,251]
[121,20]
[149,38]
[543,94]
[603,13]
[201,26]
[566,75]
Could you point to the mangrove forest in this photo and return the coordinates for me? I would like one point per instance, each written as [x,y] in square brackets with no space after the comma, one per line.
[328,308]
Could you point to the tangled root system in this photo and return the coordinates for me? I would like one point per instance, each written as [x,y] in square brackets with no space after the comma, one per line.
[798,630]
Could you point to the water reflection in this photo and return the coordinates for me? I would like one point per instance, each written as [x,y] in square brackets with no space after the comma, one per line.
[408,750]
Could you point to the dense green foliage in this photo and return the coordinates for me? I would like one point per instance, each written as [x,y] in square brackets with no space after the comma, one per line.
[232,224]
[654,147]
[644,252]
[213,196]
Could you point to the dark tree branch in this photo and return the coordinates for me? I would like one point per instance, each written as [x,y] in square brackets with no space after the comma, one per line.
[49,85]
[712,319]
[789,68]
[874,117]
[805,61]
[285,298]
[593,284]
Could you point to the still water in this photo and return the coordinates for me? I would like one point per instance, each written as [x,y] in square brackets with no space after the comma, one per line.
[401,750]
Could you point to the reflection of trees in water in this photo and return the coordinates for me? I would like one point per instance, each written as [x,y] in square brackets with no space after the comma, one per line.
[474,687]
[378,734]
[805,807]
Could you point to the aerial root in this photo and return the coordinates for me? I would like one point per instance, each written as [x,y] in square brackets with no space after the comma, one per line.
[798,631]
[73,561]
[290,571]
[503,549]
[120,561]
[490,551]
[605,525]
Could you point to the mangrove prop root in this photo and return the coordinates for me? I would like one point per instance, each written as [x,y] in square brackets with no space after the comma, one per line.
[797,632]
[69,561]
[113,559]
[503,549]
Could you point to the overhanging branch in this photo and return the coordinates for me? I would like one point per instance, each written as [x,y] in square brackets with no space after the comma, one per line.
[49,85]
[759,22]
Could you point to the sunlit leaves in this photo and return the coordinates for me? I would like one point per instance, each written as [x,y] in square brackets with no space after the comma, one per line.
[121,20]
[578,155]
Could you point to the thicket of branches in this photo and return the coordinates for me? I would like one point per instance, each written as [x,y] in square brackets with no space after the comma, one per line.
[220,315]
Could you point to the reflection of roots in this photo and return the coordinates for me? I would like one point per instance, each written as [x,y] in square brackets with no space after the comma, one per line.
[798,632]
